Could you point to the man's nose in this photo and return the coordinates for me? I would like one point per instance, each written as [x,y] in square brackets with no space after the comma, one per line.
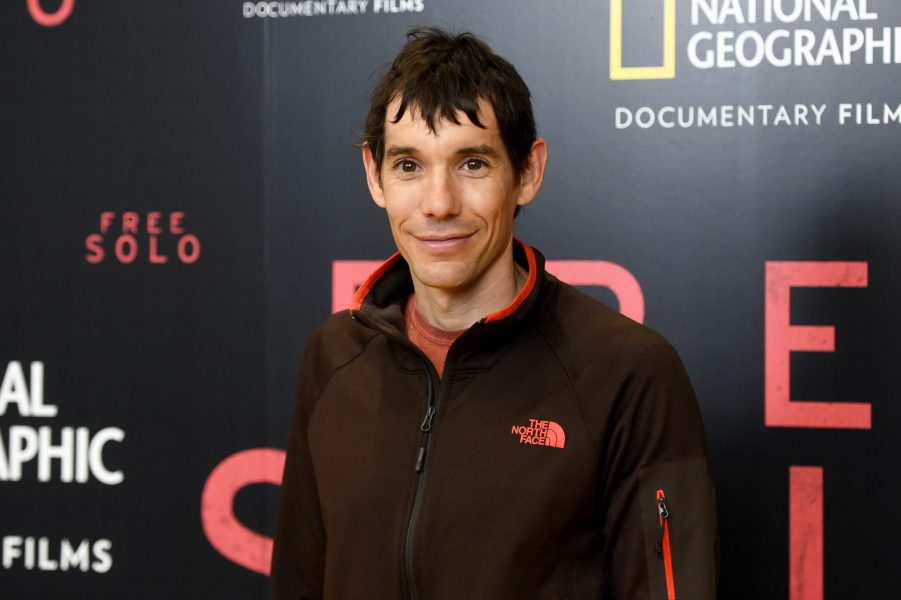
[440,199]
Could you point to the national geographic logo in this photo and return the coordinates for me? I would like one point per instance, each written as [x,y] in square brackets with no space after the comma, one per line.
[667,70]
[729,34]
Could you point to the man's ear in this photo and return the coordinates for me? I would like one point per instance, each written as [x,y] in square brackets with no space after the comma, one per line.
[372,177]
[532,177]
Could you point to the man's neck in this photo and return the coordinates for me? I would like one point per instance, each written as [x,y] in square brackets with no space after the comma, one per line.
[452,310]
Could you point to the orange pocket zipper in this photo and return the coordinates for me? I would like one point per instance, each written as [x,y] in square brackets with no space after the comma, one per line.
[663,546]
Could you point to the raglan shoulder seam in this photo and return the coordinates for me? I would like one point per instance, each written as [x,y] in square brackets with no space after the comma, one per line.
[337,368]
[570,385]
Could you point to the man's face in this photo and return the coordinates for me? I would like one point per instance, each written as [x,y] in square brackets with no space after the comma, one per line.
[450,197]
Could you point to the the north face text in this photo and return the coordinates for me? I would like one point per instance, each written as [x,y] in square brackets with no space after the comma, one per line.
[540,433]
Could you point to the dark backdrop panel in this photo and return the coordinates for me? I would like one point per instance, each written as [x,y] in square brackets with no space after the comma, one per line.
[133,107]
[246,124]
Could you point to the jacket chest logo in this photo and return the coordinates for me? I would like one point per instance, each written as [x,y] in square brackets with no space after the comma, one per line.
[540,433]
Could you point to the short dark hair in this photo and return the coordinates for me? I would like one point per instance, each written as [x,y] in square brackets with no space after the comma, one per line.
[439,73]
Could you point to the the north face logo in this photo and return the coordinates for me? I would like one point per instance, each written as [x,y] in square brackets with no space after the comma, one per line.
[540,433]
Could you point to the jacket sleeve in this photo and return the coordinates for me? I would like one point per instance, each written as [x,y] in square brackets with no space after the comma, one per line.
[659,517]
[298,555]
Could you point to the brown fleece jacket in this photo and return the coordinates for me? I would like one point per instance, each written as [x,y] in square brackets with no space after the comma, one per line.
[561,455]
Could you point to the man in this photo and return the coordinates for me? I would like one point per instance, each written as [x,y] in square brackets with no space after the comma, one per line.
[472,427]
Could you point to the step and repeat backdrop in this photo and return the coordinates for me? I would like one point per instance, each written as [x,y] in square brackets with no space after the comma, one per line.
[183,204]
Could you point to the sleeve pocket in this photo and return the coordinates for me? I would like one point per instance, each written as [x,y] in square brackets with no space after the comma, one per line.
[678,516]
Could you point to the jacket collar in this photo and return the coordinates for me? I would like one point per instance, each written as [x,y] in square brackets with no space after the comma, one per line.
[381,297]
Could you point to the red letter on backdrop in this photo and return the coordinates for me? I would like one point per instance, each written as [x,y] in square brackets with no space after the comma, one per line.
[604,274]
[347,275]
[805,539]
[226,534]
[94,246]
[782,338]
[106,219]
[154,255]
[42,17]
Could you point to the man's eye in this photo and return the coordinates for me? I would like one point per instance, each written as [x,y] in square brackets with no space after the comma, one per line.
[474,164]
[407,166]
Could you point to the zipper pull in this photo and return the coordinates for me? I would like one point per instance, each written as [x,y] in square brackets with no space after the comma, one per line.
[427,421]
[663,512]
[425,428]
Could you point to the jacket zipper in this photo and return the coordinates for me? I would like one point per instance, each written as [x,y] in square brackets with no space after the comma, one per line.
[663,544]
[419,465]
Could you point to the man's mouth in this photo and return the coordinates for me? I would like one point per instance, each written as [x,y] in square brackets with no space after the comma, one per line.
[443,241]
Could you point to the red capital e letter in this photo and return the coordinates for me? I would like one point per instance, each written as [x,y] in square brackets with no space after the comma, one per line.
[782,338]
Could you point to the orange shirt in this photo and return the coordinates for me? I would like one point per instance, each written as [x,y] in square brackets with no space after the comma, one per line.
[433,341]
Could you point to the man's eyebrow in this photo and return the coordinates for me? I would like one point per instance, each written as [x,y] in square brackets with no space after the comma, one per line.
[400,151]
[483,149]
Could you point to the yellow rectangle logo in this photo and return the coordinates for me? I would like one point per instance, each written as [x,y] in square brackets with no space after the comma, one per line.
[665,71]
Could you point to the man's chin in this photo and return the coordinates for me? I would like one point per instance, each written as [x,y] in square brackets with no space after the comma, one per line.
[437,277]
